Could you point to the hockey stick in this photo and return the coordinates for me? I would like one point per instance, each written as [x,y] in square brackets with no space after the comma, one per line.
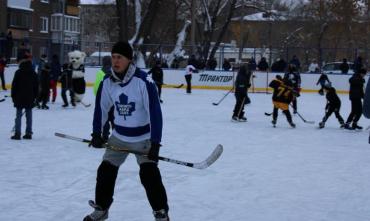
[201,165]
[178,86]
[223,97]
[84,104]
[304,120]
[1,100]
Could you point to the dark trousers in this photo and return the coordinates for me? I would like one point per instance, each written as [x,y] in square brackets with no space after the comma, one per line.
[2,80]
[239,106]
[18,120]
[356,111]
[159,87]
[150,178]
[64,95]
[188,83]
[333,109]
[275,114]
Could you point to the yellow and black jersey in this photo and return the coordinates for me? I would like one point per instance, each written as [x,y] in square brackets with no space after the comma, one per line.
[282,93]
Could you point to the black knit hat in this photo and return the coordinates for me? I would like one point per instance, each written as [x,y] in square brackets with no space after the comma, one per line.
[123,48]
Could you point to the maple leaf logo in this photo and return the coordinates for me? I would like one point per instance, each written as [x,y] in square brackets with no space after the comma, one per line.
[123,107]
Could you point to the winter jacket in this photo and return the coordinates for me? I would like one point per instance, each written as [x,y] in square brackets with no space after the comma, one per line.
[242,82]
[157,75]
[332,97]
[24,86]
[356,89]
[55,70]
[66,78]
[295,79]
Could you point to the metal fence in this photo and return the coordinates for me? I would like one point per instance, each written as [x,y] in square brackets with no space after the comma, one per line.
[150,53]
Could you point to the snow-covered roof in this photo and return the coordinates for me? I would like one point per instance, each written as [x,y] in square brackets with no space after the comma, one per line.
[260,16]
[20,4]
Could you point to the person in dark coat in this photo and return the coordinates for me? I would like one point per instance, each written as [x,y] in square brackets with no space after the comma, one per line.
[293,76]
[226,66]
[262,64]
[242,83]
[44,79]
[157,76]
[55,71]
[2,70]
[333,105]
[344,67]
[356,94]
[296,62]
[323,80]
[24,93]
[252,64]
[358,64]
[66,81]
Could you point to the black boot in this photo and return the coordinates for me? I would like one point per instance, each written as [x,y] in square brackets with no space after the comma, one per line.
[16,137]
[355,126]
[27,136]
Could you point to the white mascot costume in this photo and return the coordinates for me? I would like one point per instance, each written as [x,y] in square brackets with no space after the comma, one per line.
[76,59]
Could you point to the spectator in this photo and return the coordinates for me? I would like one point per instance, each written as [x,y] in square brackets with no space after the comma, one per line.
[226,65]
[313,67]
[252,64]
[24,92]
[344,67]
[279,65]
[2,70]
[262,64]
[358,64]
[212,64]
[66,81]
[55,71]
[296,62]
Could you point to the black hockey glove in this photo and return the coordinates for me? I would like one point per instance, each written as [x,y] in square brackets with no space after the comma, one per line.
[96,141]
[154,152]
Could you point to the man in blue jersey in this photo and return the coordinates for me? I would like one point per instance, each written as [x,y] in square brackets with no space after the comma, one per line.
[137,126]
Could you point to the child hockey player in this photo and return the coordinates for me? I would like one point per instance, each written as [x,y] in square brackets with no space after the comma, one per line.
[282,96]
[323,80]
[332,105]
[66,81]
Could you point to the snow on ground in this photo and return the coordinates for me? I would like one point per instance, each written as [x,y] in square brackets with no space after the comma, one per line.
[264,174]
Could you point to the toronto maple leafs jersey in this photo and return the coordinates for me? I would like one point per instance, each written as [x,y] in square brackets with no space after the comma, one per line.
[137,111]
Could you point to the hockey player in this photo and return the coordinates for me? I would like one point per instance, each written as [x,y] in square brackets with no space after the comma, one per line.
[332,105]
[137,126]
[241,87]
[282,96]
[356,94]
[323,80]
[157,75]
[189,70]
[294,77]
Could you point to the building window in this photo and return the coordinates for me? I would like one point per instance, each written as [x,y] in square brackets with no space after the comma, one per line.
[19,19]
[44,24]
[56,23]
[44,1]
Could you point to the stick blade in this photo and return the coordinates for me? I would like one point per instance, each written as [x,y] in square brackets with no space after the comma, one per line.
[215,104]
[211,158]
